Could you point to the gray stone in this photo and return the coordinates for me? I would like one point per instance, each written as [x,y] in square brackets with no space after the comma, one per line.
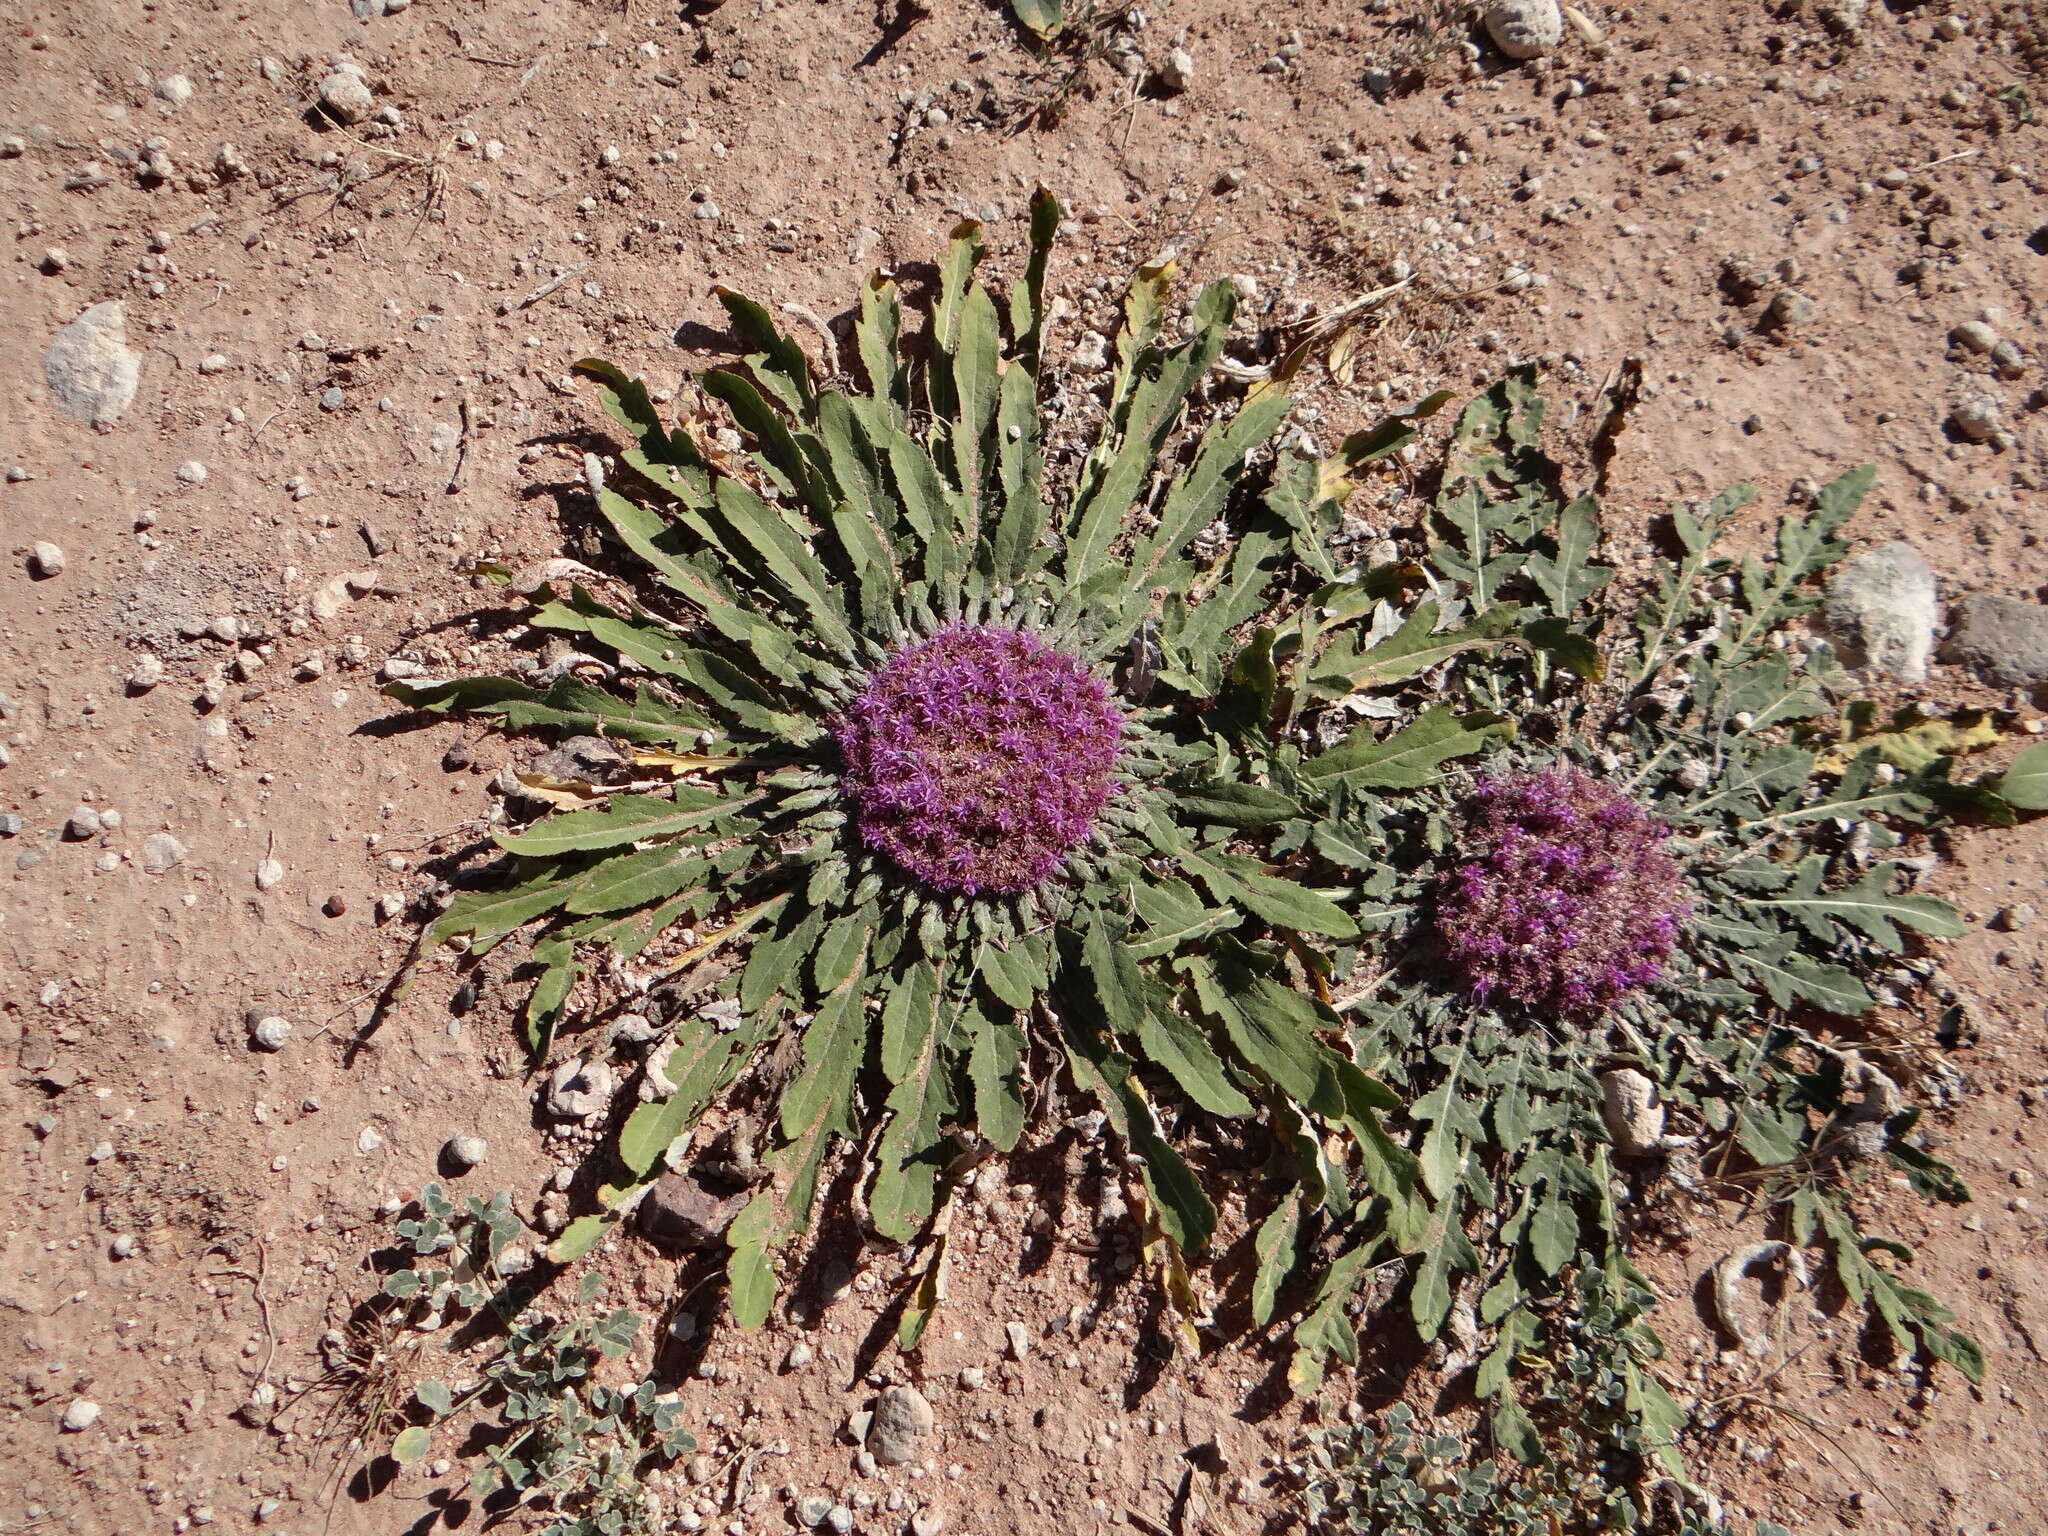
[46,559]
[682,1213]
[175,89]
[83,823]
[839,1520]
[812,1509]
[346,96]
[90,371]
[466,1151]
[2002,640]
[147,672]
[1177,73]
[1880,607]
[162,853]
[579,1090]
[1974,336]
[1977,418]
[1790,308]
[1525,29]
[902,1419]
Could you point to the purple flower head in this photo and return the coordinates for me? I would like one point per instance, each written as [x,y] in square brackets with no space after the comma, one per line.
[978,758]
[1566,898]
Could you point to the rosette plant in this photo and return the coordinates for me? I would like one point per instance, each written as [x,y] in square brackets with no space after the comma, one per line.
[1662,946]
[965,771]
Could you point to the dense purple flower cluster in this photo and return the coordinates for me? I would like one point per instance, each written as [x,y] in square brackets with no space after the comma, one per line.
[1567,898]
[978,758]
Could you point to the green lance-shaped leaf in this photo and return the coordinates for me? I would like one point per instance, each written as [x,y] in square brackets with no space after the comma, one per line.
[1553,1229]
[487,916]
[777,361]
[625,819]
[1174,917]
[1412,756]
[702,1061]
[910,1020]
[1045,17]
[1138,1009]
[2025,783]
[1132,438]
[877,337]
[1326,1332]
[976,366]
[1569,577]
[629,881]
[1868,906]
[1027,297]
[795,463]
[781,549]
[864,517]
[913,1147]
[1414,648]
[1277,1247]
[550,994]
[1186,1215]
[1196,499]
[995,1065]
[1228,804]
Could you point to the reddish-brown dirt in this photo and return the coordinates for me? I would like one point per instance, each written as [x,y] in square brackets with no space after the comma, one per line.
[388,396]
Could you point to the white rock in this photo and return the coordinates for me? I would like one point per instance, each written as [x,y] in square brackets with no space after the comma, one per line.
[89,368]
[192,472]
[1881,607]
[346,96]
[81,1414]
[46,559]
[1091,352]
[466,1151]
[147,672]
[1524,29]
[175,89]
[84,823]
[269,874]
[1177,73]
[270,1033]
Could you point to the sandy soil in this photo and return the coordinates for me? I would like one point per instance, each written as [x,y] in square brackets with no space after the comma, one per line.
[359,333]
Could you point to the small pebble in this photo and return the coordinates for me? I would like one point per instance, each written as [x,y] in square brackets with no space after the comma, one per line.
[147,672]
[466,1151]
[192,472]
[83,823]
[269,874]
[46,559]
